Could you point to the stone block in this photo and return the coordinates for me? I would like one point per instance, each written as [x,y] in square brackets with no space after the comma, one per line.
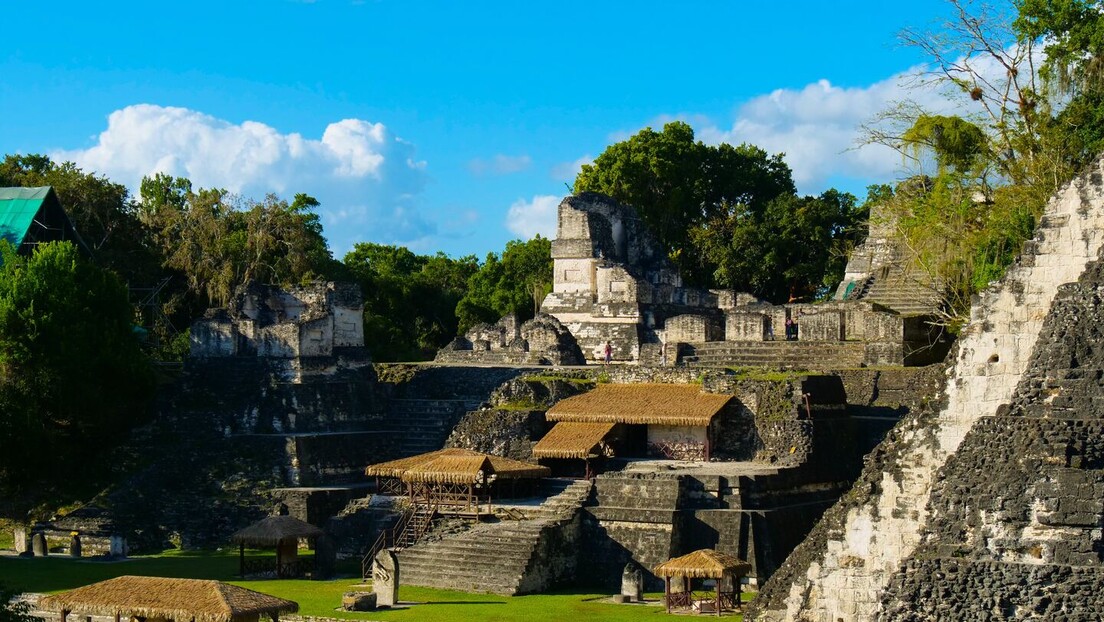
[820,326]
[748,326]
[22,541]
[385,578]
[359,601]
[38,545]
[692,329]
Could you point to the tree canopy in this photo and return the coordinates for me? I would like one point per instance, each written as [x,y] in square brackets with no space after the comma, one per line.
[72,375]
[409,299]
[515,283]
[726,214]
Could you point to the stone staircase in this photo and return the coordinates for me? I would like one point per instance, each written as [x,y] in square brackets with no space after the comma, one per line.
[423,425]
[778,354]
[903,295]
[493,557]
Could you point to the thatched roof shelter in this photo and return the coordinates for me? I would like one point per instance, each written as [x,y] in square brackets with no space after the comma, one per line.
[570,439]
[456,466]
[183,600]
[656,404]
[275,530]
[702,564]
[282,532]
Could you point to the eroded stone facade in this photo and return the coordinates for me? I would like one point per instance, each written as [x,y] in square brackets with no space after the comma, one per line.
[316,320]
[872,538]
[542,340]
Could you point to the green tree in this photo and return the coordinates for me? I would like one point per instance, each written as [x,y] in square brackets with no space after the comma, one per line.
[409,299]
[676,184]
[101,210]
[216,241]
[516,283]
[795,248]
[73,379]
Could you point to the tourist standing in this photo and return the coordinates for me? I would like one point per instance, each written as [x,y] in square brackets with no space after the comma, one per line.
[609,353]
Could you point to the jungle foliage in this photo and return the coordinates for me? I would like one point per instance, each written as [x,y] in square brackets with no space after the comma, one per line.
[73,379]
[729,216]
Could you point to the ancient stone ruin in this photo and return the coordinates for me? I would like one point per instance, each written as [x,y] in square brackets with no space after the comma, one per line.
[542,340]
[612,283]
[986,506]
[317,320]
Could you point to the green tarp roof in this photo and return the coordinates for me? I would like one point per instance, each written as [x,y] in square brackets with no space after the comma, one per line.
[18,207]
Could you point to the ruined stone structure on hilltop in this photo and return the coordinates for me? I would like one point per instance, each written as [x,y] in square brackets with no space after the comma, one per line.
[321,319]
[542,340]
[612,283]
[987,506]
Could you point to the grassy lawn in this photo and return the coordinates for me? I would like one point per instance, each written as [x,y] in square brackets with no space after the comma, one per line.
[322,598]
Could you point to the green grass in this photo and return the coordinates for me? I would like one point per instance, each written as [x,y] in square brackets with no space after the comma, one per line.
[7,535]
[322,598]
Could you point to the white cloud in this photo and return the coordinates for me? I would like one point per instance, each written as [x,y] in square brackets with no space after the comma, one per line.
[818,127]
[500,165]
[568,171]
[528,218]
[364,176]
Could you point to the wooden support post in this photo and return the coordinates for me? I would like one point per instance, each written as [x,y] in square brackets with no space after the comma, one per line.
[64,614]
[717,606]
[667,592]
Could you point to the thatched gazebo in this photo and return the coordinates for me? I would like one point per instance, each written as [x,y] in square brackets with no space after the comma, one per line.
[703,564]
[662,420]
[157,599]
[281,532]
[457,477]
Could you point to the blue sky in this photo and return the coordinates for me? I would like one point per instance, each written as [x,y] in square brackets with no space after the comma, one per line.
[442,125]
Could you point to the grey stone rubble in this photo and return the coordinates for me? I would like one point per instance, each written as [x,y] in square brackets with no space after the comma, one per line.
[850,568]
[542,340]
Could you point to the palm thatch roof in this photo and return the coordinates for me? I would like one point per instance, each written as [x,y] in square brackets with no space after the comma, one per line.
[570,439]
[702,564]
[655,404]
[177,599]
[273,530]
[455,466]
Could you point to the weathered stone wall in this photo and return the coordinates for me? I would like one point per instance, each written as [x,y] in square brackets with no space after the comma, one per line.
[841,572]
[1023,497]
[267,321]
[692,328]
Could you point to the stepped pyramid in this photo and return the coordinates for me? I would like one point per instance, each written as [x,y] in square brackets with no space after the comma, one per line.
[988,505]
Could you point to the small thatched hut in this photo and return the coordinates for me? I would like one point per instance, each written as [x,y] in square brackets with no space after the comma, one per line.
[458,477]
[725,569]
[570,442]
[157,599]
[281,532]
[660,420]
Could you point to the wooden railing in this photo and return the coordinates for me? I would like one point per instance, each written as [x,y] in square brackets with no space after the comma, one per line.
[411,526]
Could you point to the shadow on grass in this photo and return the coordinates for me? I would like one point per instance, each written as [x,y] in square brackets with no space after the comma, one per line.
[462,602]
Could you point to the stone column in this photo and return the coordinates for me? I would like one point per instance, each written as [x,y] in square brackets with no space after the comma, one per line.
[22,541]
[385,579]
[632,583]
[38,545]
